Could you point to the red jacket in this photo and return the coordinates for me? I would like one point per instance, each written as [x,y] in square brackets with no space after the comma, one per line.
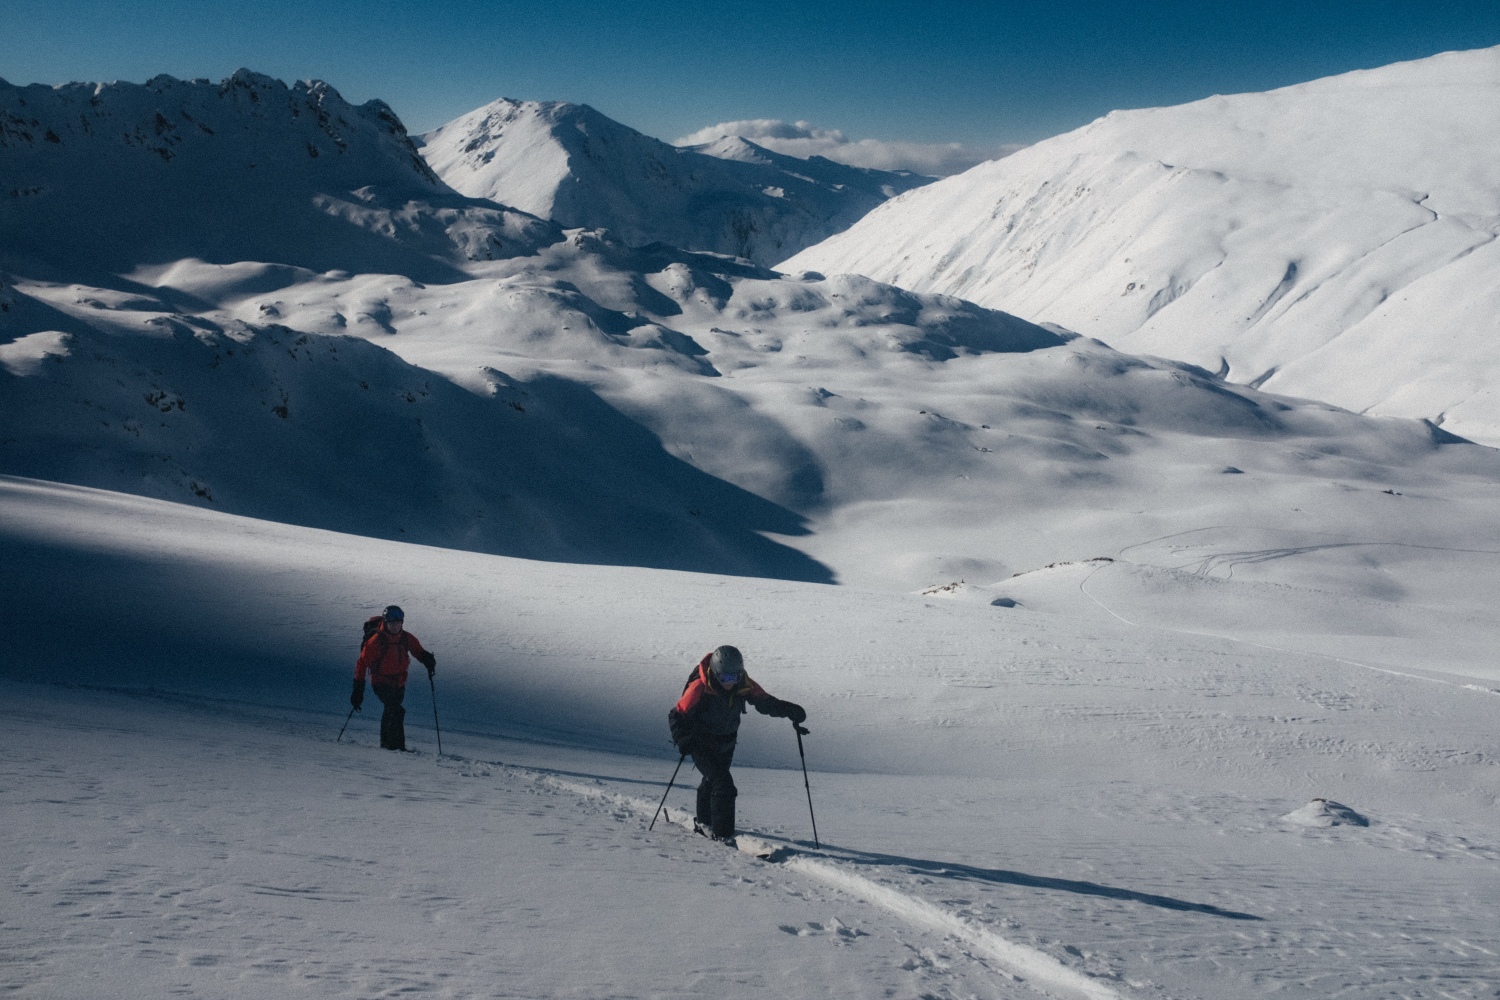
[386,659]
[705,707]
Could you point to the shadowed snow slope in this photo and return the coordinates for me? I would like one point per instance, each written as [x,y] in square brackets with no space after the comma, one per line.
[1335,239]
[107,176]
[569,163]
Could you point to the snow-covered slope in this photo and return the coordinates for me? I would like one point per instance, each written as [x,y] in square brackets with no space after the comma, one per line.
[102,177]
[336,432]
[1043,801]
[921,439]
[1335,239]
[588,401]
[569,163]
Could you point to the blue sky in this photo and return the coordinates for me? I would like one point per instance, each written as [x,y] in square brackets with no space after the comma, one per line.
[937,71]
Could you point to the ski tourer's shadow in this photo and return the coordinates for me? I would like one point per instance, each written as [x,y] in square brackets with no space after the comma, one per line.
[999,876]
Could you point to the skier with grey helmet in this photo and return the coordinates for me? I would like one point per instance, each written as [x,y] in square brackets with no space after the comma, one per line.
[705,725]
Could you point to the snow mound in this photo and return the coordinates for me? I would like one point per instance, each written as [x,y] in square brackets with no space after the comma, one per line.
[1324,813]
[105,176]
[1335,239]
[571,164]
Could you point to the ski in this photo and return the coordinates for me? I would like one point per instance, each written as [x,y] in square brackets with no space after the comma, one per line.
[745,843]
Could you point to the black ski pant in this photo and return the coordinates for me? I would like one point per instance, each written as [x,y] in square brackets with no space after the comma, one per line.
[392,725]
[716,792]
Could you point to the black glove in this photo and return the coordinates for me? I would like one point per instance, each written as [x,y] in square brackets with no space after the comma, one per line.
[677,726]
[786,710]
[429,661]
[357,696]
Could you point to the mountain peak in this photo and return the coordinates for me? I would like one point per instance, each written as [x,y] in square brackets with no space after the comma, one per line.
[574,165]
[238,170]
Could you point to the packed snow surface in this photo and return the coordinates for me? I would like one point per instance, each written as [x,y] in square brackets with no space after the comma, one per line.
[569,163]
[1335,239]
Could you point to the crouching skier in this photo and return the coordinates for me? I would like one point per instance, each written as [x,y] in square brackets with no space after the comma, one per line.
[705,724]
[385,656]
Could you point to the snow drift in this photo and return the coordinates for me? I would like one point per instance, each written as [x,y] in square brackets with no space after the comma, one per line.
[1335,239]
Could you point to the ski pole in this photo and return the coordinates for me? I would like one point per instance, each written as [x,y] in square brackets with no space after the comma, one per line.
[344,726]
[666,793]
[800,732]
[435,725]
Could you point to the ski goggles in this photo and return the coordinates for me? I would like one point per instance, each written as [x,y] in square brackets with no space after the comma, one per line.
[729,680]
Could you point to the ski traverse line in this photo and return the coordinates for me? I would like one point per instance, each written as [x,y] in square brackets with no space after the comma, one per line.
[1030,965]
[1025,964]
[1083,586]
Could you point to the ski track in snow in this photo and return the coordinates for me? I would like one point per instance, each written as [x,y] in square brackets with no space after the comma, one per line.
[1027,963]
[1023,964]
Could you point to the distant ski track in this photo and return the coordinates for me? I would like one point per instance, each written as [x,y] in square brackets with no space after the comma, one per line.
[1120,561]
[1029,965]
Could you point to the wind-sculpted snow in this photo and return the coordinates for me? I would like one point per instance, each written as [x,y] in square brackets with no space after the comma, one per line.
[1335,239]
[102,177]
[569,163]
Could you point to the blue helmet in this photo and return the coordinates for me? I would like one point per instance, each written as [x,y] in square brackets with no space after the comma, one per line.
[394,614]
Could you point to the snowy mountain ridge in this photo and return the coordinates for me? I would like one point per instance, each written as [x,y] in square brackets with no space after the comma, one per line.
[107,176]
[815,409]
[579,168]
[1295,239]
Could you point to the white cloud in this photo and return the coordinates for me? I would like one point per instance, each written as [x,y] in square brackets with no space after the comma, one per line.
[804,139]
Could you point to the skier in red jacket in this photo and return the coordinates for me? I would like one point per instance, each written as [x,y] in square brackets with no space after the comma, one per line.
[385,656]
[705,723]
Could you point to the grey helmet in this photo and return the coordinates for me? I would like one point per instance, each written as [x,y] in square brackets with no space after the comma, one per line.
[726,660]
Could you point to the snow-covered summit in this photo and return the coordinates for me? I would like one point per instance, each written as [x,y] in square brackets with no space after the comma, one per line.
[569,163]
[1334,239]
[110,175]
